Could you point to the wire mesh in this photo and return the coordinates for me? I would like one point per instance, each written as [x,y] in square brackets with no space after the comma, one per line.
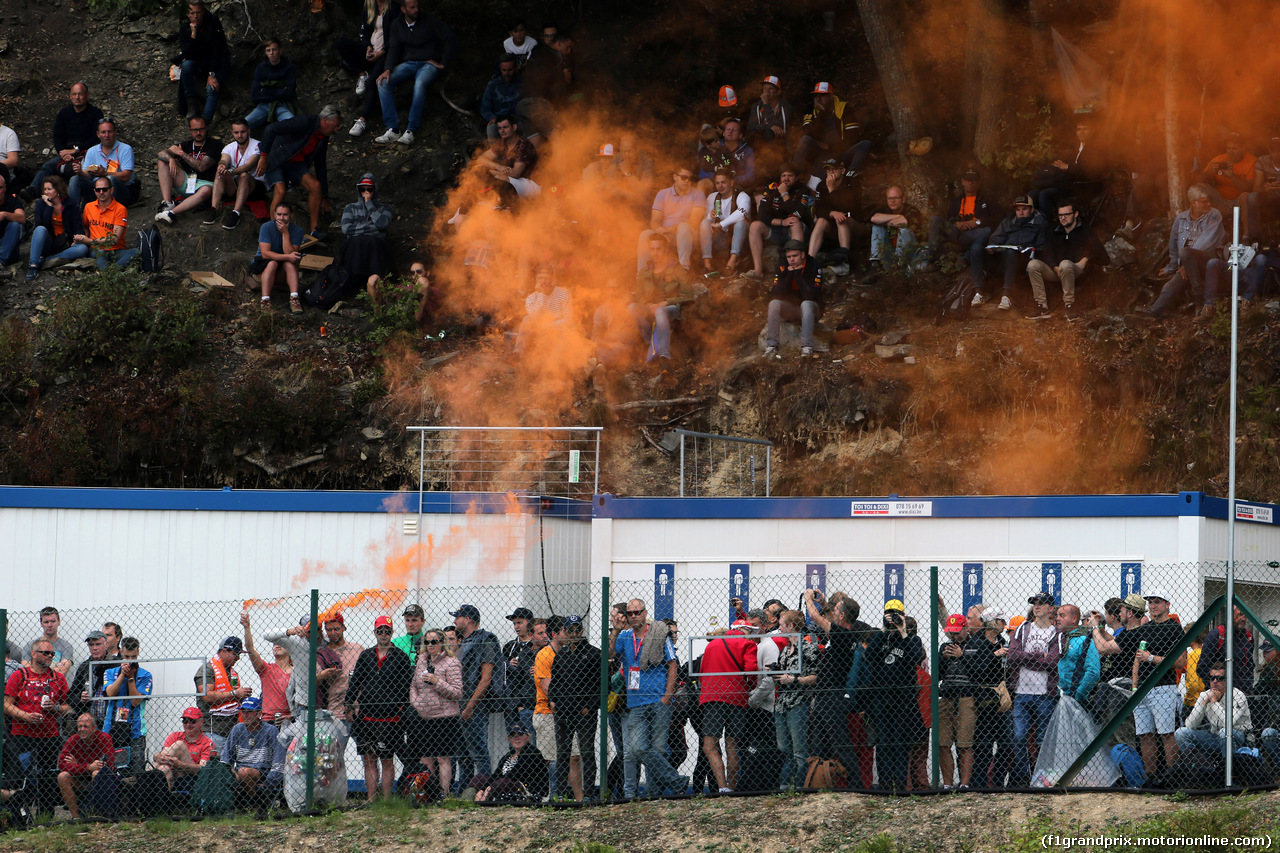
[723,465]
[849,692]
[555,461]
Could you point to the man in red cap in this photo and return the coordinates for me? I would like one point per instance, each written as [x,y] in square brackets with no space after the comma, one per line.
[377,693]
[335,628]
[956,715]
[184,752]
[830,130]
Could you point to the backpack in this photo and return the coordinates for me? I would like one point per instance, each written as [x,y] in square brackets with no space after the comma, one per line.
[959,297]
[104,794]
[150,249]
[1135,773]
[214,789]
[825,774]
[328,289]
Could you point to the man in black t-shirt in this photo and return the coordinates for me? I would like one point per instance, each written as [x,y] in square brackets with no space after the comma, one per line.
[75,131]
[189,169]
[1157,713]
[828,724]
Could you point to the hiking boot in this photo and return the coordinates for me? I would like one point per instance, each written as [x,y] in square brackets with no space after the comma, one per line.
[295,304]
[212,217]
[1040,312]
[231,220]
[978,299]
[1005,303]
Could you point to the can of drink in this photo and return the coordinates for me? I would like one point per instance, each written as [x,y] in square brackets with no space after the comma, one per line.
[1142,647]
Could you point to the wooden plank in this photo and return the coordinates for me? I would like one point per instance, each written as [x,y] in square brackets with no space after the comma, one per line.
[209,279]
[315,262]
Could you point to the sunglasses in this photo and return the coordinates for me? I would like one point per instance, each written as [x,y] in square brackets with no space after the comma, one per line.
[102,189]
[635,612]
[432,642]
[41,652]
[382,631]
[1217,678]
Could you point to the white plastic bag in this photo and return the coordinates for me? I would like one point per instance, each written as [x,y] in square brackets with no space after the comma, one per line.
[1070,729]
[331,769]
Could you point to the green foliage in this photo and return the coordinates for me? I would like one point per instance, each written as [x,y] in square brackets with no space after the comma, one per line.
[286,420]
[366,391]
[395,314]
[1028,142]
[17,359]
[134,7]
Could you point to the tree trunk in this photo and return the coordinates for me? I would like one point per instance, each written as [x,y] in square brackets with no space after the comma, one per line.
[984,97]
[1173,153]
[885,38]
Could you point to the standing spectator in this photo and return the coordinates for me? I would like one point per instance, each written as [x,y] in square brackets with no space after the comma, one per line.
[1157,714]
[649,666]
[335,628]
[278,242]
[784,214]
[367,57]
[75,131]
[1072,248]
[483,673]
[410,642]
[190,167]
[727,208]
[83,756]
[991,728]
[296,642]
[677,212]
[544,724]
[219,692]
[129,685]
[420,47]
[1024,229]
[111,159]
[57,223]
[829,728]
[87,683]
[113,634]
[12,218]
[290,149]
[795,692]
[255,755]
[34,697]
[433,734]
[377,694]
[892,657]
[1034,651]
[796,295]
[724,699]
[63,652]
[204,61]
[573,693]
[185,752]
[519,655]
[1195,237]
[275,87]
[236,176]
[1214,651]
[273,675]
[956,715]
[968,225]
[1078,666]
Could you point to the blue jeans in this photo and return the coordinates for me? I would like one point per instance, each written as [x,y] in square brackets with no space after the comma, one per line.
[909,252]
[259,115]
[1025,707]
[655,333]
[116,257]
[9,238]
[1195,262]
[645,730]
[423,74]
[792,730]
[1206,740]
[972,243]
[475,735]
[192,76]
[42,237]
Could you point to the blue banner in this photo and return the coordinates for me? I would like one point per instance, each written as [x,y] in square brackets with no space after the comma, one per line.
[815,578]
[971,578]
[1130,579]
[893,582]
[1051,580]
[664,591]
[739,588]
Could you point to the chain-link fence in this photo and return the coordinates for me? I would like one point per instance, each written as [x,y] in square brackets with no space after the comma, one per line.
[901,678]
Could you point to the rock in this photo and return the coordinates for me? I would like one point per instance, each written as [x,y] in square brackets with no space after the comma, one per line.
[891,338]
[372,433]
[901,351]
[63,379]
[352,313]
[282,348]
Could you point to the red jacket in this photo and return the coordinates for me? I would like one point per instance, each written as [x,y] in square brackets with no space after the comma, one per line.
[729,653]
[77,753]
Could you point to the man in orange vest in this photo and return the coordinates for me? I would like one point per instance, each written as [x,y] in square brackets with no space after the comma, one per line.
[219,692]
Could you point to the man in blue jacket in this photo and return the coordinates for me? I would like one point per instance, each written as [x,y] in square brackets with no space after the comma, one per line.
[1078,667]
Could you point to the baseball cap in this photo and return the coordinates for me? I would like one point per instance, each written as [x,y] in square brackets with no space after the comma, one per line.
[1136,602]
[970,173]
[467,610]
[728,97]
[822,89]
[414,610]
[1159,592]
[95,635]
[894,604]
[366,181]
[1016,621]
[1040,598]
[331,111]
[741,625]
[521,613]
[991,614]
[793,246]
[232,644]
[570,621]
[335,617]
[772,80]
[382,622]
[956,622]
[516,729]
[606,150]
[252,703]
[832,163]
[1023,201]
[191,714]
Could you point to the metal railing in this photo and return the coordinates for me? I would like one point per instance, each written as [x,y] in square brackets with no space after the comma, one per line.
[723,465]
[551,461]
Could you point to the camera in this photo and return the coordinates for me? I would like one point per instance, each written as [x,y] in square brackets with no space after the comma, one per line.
[892,620]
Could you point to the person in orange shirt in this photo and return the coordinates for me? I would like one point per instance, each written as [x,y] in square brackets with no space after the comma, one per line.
[106,220]
[1228,175]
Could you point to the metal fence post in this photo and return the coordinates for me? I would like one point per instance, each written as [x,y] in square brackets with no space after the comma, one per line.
[602,771]
[934,669]
[4,634]
[313,635]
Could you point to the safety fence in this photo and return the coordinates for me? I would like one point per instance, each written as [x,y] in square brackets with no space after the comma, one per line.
[915,678]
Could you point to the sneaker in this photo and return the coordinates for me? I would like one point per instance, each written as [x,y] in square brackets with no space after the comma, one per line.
[406,138]
[768,351]
[978,299]
[806,352]
[753,275]
[357,129]
[1041,312]
[231,220]
[841,268]
[212,217]
[165,205]
[1072,314]
[165,216]
[392,135]
[1207,313]
[32,272]
[295,304]
[1005,304]
[361,85]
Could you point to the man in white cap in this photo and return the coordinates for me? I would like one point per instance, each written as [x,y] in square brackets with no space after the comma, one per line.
[830,130]
[1158,712]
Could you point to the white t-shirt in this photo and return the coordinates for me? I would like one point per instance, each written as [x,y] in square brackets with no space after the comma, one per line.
[1036,640]
[522,52]
[8,141]
[238,158]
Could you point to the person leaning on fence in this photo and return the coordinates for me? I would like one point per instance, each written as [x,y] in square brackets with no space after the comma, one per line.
[731,663]
[185,752]
[433,735]
[85,754]
[255,755]
[829,729]
[129,685]
[574,696]
[377,694]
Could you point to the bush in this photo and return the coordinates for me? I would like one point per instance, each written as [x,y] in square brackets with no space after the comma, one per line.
[395,314]
[17,359]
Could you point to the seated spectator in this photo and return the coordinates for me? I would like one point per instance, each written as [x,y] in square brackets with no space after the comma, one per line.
[1210,711]
[420,45]
[1194,240]
[676,213]
[1072,248]
[190,167]
[254,753]
[566,66]
[367,57]
[520,775]
[783,214]
[83,756]
[184,752]
[1227,176]
[837,208]
[75,131]
[12,219]
[1019,235]
[275,87]
[661,288]
[289,150]
[105,220]
[236,176]
[510,162]
[1264,200]
[129,685]
[549,306]
[501,95]
[728,208]
[1255,278]
[1077,173]
[204,61]
[967,225]
[623,172]
[366,254]
[711,156]
[830,130]
[57,223]
[743,154]
[111,159]
[894,228]
[428,294]
[796,295]
[518,43]
[10,148]
[278,242]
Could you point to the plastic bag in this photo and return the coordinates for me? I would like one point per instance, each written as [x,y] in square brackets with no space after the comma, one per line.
[1070,729]
[331,770]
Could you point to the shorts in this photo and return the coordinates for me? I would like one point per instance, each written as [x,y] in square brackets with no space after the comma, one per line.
[381,738]
[432,737]
[544,731]
[779,234]
[956,720]
[289,173]
[1158,711]
[721,717]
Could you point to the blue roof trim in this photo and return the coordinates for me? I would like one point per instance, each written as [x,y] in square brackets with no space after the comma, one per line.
[1045,506]
[232,500]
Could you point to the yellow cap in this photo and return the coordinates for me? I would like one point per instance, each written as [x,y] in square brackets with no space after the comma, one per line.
[895,604]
